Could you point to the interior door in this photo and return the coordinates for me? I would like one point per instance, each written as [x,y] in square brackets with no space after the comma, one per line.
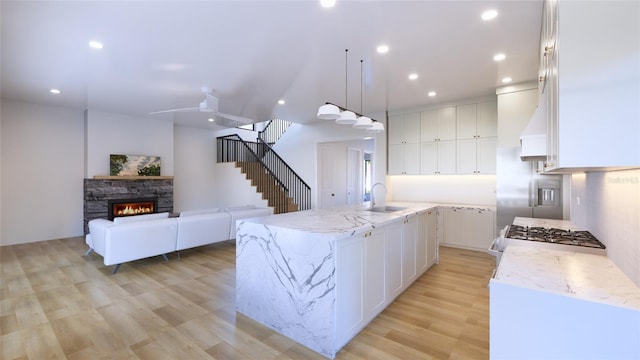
[354,176]
[326,176]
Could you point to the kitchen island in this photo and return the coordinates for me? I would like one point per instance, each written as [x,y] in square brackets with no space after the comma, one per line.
[320,276]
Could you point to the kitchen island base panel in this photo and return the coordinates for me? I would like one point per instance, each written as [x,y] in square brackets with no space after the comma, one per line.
[285,280]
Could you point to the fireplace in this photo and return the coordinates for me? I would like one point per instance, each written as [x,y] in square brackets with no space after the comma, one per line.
[130,207]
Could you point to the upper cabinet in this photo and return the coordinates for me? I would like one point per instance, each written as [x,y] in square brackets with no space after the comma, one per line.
[452,140]
[404,128]
[590,76]
[438,125]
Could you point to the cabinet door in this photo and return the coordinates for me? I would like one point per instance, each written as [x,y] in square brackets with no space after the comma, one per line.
[482,225]
[466,121]
[412,159]
[396,159]
[487,119]
[447,157]
[447,124]
[455,227]
[393,261]
[429,158]
[429,126]
[349,289]
[409,239]
[486,157]
[421,244]
[396,129]
[466,155]
[411,128]
[374,299]
[431,238]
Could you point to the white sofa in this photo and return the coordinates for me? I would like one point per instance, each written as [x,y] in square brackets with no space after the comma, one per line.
[141,236]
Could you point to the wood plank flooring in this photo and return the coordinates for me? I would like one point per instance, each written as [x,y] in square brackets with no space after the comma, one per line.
[56,303]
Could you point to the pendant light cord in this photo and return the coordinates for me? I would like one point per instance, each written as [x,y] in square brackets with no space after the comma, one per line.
[346,53]
[361,113]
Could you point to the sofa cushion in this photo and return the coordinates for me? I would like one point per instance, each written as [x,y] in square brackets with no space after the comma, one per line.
[199,212]
[145,217]
[242,207]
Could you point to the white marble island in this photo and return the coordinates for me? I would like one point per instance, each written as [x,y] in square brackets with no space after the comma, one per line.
[298,272]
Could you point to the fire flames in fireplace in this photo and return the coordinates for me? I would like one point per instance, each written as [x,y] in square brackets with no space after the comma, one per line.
[131,207]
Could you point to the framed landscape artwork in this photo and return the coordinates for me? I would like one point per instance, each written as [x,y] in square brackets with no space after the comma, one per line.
[134,165]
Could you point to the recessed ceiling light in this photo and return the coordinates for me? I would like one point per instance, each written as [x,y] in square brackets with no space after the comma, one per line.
[489,15]
[432,93]
[413,76]
[328,3]
[506,80]
[54,91]
[499,57]
[281,102]
[96,44]
[210,119]
[382,49]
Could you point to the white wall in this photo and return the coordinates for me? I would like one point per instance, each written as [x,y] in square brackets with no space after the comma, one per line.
[42,172]
[452,189]
[109,133]
[239,192]
[194,183]
[608,205]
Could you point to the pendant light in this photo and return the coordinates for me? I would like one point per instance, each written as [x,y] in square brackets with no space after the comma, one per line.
[362,122]
[376,127]
[347,117]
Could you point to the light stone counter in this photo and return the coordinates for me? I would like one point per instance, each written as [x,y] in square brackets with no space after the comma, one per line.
[584,276]
[545,223]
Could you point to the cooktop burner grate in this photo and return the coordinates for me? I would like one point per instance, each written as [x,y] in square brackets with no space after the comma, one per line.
[557,236]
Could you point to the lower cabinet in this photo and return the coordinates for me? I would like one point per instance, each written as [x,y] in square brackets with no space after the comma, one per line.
[374,267]
[427,247]
[470,228]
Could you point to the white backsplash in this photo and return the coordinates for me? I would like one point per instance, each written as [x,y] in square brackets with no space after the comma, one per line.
[608,205]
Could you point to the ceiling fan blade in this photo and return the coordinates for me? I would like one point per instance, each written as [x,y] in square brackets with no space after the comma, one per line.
[239,119]
[174,110]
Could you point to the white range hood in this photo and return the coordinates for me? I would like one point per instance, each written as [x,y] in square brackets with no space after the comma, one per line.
[533,140]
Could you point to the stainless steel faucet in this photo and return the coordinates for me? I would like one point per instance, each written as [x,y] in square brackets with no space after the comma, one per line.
[373,197]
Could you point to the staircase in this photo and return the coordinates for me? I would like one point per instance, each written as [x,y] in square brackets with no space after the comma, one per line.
[283,189]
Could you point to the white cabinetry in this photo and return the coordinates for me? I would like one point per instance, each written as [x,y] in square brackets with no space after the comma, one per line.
[476,134]
[393,260]
[592,96]
[438,157]
[349,287]
[471,228]
[374,291]
[438,125]
[409,241]
[426,246]
[404,144]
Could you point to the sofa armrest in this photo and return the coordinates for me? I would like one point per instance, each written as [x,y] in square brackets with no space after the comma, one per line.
[139,240]
[96,237]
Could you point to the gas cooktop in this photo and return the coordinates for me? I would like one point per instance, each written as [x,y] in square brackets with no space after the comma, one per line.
[556,236]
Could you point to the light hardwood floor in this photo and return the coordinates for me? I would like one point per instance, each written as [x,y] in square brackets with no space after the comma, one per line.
[56,303]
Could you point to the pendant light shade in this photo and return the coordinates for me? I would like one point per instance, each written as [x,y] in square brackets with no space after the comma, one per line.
[347,117]
[376,127]
[328,112]
[363,122]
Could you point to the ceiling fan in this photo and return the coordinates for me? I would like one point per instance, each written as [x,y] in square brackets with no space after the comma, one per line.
[210,105]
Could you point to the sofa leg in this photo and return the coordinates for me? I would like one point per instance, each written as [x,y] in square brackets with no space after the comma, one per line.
[178,255]
[115,269]
[88,252]
[165,257]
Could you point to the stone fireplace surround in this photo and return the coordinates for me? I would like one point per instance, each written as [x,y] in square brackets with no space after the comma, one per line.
[98,192]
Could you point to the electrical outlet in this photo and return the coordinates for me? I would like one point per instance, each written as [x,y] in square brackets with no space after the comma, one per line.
[578,200]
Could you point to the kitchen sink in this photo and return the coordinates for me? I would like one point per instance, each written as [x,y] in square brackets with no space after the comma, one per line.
[387,208]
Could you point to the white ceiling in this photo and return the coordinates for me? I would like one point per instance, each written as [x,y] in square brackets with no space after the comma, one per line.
[158,55]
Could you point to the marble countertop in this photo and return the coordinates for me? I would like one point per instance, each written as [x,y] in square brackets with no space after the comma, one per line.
[583,276]
[342,221]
